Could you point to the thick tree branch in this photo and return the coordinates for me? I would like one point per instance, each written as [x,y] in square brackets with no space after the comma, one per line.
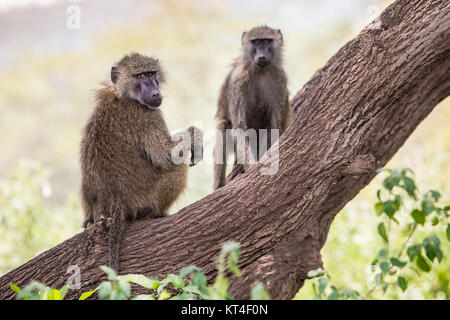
[351,118]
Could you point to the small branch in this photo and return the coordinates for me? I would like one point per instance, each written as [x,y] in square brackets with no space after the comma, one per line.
[411,232]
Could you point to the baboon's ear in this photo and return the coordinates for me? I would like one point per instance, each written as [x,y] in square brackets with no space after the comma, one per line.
[281,35]
[114,75]
[242,38]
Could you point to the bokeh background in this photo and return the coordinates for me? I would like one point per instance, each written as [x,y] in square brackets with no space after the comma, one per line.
[49,72]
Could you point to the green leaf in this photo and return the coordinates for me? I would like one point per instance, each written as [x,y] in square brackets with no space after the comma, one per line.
[86,295]
[431,245]
[435,221]
[409,186]
[390,207]
[404,171]
[439,254]
[384,266]
[14,288]
[418,216]
[379,195]
[188,270]
[258,292]
[229,246]
[323,282]
[435,194]
[430,252]
[104,290]
[413,251]
[33,291]
[63,291]
[316,273]
[196,290]
[55,294]
[112,275]
[347,293]
[156,284]
[390,182]
[436,240]
[164,295]
[382,253]
[398,263]
[402,283]
[221,285]
[233,259]
[378,208]
[231,252]
[234,269]
[422,264]
[382,232]
[47,295]
[448,232]
[378,279]
[199,280]
[427,206]
[120,291]
[175,280]
[334,295]
[413,268]
[316,295]
[139,279]
[192,289]
[125,288]
[384,287]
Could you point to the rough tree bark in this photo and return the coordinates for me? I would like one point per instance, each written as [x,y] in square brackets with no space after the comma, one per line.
[351,118]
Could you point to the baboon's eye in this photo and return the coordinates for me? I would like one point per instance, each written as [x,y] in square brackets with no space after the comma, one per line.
[266,41]
[257,42]
[140,76]
[150,74]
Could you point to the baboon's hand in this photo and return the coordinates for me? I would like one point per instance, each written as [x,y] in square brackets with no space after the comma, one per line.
[196,145]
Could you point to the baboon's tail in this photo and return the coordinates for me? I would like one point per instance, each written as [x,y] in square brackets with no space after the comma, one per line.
[220,153]
[116,229]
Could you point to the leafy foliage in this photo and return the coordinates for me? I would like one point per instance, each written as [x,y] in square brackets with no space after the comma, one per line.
[399,202]
[28,224]
[398,263]
[189,284]
[38,291]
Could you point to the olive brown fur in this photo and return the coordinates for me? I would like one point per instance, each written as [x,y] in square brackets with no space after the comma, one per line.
[126,164]
[253,96]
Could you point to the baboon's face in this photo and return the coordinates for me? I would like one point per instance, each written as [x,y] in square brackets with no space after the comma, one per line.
[146,89]
[262,52]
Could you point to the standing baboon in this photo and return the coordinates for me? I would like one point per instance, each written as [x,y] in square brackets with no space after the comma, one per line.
[126,151]
[253,96]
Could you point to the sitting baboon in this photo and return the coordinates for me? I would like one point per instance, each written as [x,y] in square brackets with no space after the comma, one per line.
[126,151]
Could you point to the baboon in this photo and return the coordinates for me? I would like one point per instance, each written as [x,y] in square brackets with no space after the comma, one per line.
[253,96]
[126,151]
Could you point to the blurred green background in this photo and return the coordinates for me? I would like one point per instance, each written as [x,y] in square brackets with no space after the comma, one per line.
[48,74]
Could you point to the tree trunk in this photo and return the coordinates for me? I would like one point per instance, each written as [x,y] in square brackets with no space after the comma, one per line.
[351,118]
